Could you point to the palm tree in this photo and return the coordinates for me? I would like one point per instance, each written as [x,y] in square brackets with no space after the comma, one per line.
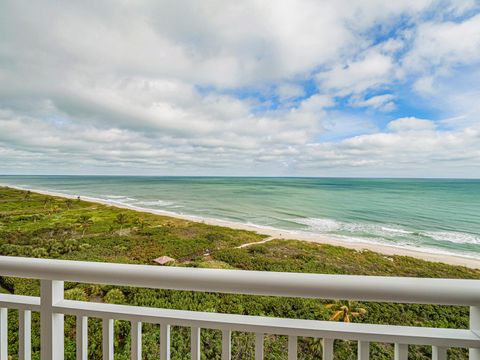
[85,222]
[345,310]
[121,220]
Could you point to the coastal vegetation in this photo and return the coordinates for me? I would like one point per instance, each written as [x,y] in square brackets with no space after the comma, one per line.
[36,225]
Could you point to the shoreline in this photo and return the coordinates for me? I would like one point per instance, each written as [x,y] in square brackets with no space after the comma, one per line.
[271,233]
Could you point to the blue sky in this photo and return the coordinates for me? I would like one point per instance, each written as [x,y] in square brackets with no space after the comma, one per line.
[287,88]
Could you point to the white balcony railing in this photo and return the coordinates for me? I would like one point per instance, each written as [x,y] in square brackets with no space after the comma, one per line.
[53,307]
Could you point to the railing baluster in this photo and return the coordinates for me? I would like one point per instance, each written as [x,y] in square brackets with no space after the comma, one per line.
[107,335]
[439,353]
[3,334]
[258,346]
[51,324]
[401,352]
[226,345]
[327,349]
[25,334]
[164,342]
[195,343]
[474,354]
[82,338]
[136,336]
[292,348]
[363,350]
[52,308]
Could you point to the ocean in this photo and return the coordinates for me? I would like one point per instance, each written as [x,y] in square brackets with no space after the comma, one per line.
[431,215]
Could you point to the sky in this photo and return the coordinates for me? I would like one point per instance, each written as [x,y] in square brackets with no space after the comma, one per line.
[253,87]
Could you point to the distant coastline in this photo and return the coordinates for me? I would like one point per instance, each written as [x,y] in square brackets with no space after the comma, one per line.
[271,233]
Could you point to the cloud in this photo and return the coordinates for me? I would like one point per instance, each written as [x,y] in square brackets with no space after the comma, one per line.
[355,77]
[285,87]
[440,46]
[411,124]
[424,85]
[380,102]
[407,143]
[290,91]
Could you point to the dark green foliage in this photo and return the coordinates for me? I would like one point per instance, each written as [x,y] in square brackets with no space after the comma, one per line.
[35,225]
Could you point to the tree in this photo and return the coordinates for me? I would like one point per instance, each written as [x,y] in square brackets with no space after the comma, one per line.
[121,220]
[345,310]
[85,222]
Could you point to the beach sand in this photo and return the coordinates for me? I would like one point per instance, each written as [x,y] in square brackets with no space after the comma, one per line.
[289,235]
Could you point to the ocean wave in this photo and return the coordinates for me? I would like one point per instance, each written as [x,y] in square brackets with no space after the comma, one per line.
[405,245]
[326,225]
[320,224]
[454,237]
[400,231]
[119,197]
[331,226]
[155,203]
[267,227]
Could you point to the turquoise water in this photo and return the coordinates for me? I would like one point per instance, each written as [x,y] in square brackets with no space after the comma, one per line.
[440,216]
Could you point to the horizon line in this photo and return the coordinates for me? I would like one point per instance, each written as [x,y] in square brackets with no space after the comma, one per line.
[246,176]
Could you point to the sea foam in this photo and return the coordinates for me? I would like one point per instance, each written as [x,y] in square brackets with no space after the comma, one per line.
[331,226]
[454,237]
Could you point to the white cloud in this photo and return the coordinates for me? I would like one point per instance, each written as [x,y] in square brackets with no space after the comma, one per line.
[380,102]
[372,71]
[411,124]
[424,85]
[426,152]
[173,86]
[290,91]
[443,45]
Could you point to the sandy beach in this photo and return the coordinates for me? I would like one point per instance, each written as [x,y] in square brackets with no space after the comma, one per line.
[273,234]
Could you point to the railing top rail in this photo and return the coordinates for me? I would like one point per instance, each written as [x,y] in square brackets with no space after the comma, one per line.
[353,287]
